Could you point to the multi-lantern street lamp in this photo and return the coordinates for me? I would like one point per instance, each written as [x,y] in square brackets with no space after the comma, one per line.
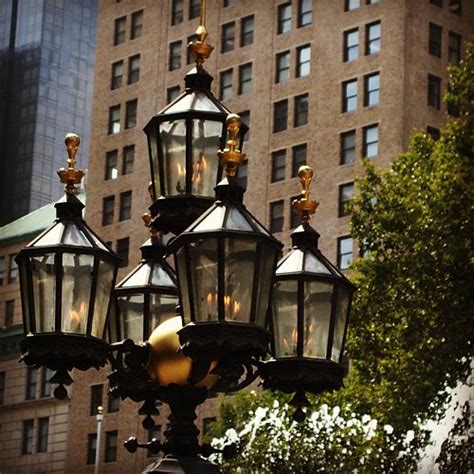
[228,313]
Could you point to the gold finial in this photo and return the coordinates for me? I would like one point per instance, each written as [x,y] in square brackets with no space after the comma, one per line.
[304,205]
[147,219]
[231,157]
[70,176]
[200,50]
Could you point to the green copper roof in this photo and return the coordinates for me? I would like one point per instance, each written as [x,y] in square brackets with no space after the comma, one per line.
[29,226]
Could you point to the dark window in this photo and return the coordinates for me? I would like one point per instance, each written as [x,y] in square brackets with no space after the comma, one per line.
[276,216]
[301,110]
[226,85]
[194,8]
[125,206]
[245,78]
[114,119]
[113,402]
[344,252]
[242,174]
[9,312]
[280,115]
[284,18]
[455,6]
[305,12]
[2,269]
[91,447]
[352,5]
[108,204]
[189,55]
[434,91]
[349,95]
[27,437]
[13,269]
[128,159]
[46,375]
[177,12]
[278,165]
[303,61]
[122,250]
[370,146]
[295,217]
[42,441]
[137,25]
[119,31]
[117,75]
[438,3]
[31,383]
[298,158]
[247,27]
[172,93]
[96,399]
[436,33]
[371,2]
[433,132]
[454,48]
[154,433]
[228,3]
[2,387]
[351,45]
[452,108]
[174,56]
[371,89]
[348,147]
[372,38]
[228,37]
[111,170]
[133,69]
[346,191]
[131,113]
[111,446]
[282,67]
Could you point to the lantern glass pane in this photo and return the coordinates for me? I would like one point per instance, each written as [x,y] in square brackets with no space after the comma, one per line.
[206,143]
[197,101]
[312,264]
[265,274]
[181,266]
[73,236]
[52,237]
[160,277]
[317,317]
[131,316]
[342,309]
[203,268]
[25,303]
[293,263]
[212,221]
[76,289]
[113,326]
[139,278]
[285,318]
[240,258]
[105,283]
[236,221]
[162,308]
[44,292]
[173,138]
[153,149]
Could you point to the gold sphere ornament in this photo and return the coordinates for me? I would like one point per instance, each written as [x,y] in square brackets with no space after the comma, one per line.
[167,365]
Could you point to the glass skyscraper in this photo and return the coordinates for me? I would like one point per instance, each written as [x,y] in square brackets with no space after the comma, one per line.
[47,50]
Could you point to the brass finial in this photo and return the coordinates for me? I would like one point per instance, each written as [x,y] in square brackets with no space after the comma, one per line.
[147,219]
[200,50]
[70,176]
[304,205]
[231,157]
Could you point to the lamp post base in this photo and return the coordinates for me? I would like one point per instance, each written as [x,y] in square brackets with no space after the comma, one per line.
[181,465]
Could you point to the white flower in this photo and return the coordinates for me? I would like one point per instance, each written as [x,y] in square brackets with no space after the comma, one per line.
[388,429]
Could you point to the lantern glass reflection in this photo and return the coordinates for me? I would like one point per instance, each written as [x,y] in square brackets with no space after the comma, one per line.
[173,138]
[342,310]
[131,311]
[286,318]
[44,291]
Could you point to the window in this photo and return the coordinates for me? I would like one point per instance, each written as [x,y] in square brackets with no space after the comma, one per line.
[117,75]
[96,399]
[128,159]
[177,12]
[351,45]
[372,38]
[122,250]
[111,446]
[2,387]
[372,2]
[245,118]
[133,69]
[154,433]
[245,78]
[276,216]
[108,204]
[348,147]
[284,18]
[113,402]
[434,91]
[27,437]
[435,40]
[42,441]
[433,132]
[455,6]
[346,191]
[172,93]
[119,30]
[352,5]
[349,95]
[298,159]
[372,89]
[301,110]
[194,8]
[13,269]
[247,26]
[114,119]
[278,165]
[228,37]
[303,61]
[295,217]
[137,25]
[344,252]
[454,48]
[111,170]
[2,269]
[131,113]
[226,85]
[91,447]
[125,206]
[305,12]
[31,383]
[280,115]
[282,67]
[46,375]
[242,174]
[174,56]
[9,312]
[452,108]
[228,3]
[371,141]
[438,3]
